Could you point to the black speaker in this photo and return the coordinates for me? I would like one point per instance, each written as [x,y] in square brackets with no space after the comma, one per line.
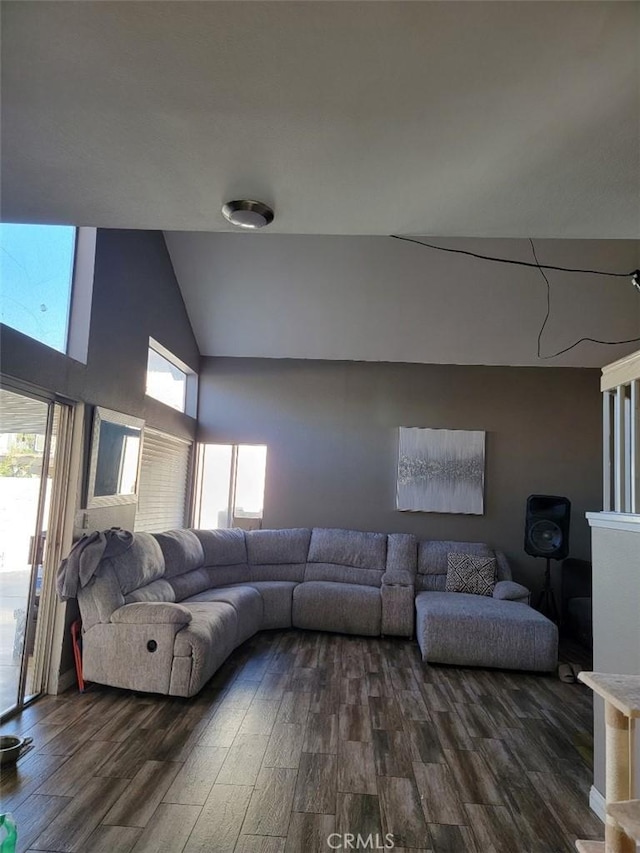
[546,526]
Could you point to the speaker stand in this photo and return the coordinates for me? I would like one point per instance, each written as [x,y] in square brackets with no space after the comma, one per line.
[546,600]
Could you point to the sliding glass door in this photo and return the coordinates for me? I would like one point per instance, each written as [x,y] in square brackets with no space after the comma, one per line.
[30,431]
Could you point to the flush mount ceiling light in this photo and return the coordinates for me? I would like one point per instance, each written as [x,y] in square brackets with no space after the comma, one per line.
[247,214]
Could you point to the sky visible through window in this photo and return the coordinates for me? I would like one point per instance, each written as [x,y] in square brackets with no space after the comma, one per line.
[36,274]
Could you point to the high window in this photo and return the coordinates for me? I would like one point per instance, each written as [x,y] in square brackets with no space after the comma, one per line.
[36,271]
[46,283]
[168,378]
[230,485]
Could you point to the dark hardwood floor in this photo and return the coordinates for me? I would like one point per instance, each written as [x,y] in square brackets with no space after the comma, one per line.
[301,735]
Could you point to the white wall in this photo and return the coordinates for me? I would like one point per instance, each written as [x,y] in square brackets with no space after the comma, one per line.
[379,299]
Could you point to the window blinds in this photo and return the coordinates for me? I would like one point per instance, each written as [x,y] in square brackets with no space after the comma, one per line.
[164,482]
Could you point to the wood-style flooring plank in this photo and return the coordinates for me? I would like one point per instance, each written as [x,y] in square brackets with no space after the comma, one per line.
[35,814]
[223,726]
[69,830]
[321,733]
[354,723]
[566,802]
[446,839]
[125,721]
[473,778]
[385,714]
[285,746]
[195,780]
[359,815]
[451,732]
[402,814]
[294,708]
[260,717]
[316,786]
[26,777]
[244,758]
[412,705]
[424,743]
[72,775]
[218,827]
[142,794]
[392,753]
[309,832]
[273,687]
[260,844]
[113,839]
[129,757]
[438,794]
[168,829]
[356,768]
[493,829]
[270,805]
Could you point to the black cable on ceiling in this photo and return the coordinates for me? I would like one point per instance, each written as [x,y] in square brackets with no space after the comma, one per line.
[509,260]
[634,275]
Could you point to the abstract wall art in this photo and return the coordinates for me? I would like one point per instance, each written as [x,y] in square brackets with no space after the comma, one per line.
[440,470]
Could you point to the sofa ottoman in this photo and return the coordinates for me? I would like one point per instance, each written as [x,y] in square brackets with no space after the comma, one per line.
[478,630]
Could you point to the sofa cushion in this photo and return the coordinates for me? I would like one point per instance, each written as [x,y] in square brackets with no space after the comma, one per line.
[222,547]
[224,575]
[293,572]
[432,561]
[190,583]
[142,563]
[277,598]
[160,590]
[277,547]
[346,556]
[336,573]
[471,573]
[346,608]
[246,601]
[182,551]
[348,548]
[475,630]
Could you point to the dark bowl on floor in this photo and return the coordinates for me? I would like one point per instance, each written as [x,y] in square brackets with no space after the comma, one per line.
[10,747]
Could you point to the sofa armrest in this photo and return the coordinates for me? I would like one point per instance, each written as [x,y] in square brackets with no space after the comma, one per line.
[398,577]
[402,553]
[511,591]
[151,613]
[398,609]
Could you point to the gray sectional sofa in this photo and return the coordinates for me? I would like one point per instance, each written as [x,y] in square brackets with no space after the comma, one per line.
[163,612]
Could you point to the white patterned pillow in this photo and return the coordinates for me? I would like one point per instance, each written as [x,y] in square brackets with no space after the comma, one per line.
[471,573]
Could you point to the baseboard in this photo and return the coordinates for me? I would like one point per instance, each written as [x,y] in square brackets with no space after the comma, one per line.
[597,803]
[66,680]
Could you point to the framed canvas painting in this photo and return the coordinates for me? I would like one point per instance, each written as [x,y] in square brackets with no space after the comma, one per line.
[440,470]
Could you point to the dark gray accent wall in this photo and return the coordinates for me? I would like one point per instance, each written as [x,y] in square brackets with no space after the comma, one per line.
[331,432]
[135,296]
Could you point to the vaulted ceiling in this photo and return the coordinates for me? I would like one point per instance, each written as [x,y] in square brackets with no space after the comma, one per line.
[473,119]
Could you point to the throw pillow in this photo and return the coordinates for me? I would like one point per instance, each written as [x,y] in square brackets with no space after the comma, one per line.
[471,573]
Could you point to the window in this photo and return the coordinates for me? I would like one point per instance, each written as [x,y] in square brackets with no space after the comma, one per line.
[164,482]
[167,377]
[46,284]
[230,485]
[36,274]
